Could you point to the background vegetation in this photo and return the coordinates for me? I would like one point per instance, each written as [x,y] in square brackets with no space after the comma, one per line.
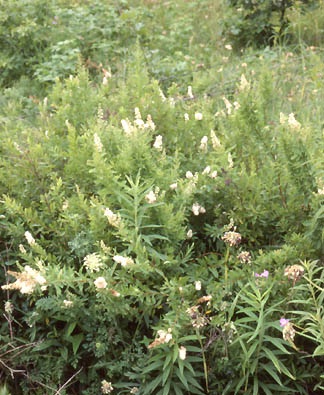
[162,188]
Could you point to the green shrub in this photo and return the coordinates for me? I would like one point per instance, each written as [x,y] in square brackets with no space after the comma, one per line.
[154,240]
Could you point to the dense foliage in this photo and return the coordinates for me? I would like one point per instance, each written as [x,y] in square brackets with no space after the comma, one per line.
[161,210]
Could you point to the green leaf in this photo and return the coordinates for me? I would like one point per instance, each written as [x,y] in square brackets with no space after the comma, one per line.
[272,358]
[71,328]
[255,385]
[76,341]
[151,386]
[271,372]
[182,378]
[167,386]
[279,343]
[153,366]
[166,374]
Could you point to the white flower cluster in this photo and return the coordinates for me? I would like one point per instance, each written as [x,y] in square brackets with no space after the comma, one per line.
[113,219]
[123,261]
[26,281]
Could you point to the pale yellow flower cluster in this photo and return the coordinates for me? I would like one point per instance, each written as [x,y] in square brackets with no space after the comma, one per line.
[92,262]
[211,174]
[232,238]
[294,272]
[204,144]
[198,320]
[151,197]
[106,387]
[214,140]
[182,353]
[113,219]
[290,121]
[138,124]
[100,283]
[288,332]
[198,209]
[163,338]
[97,142]
[26,281]
[158,143]
[123,261]
[244,257]
[30,240]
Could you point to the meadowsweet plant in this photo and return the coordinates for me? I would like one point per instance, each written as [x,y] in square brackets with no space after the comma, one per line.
[161,203]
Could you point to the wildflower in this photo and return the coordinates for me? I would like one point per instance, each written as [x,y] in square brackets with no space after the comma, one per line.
[198,209]
[67,303]
[139,123]
[158,143]
[182,352]
[163,338]
[236,105]
[190,95]
[288,331]
[127,126]
[244,84]
[97,142]
[264,274]
[230,160]
[100,283]
[106,387]
[92,262]
[228,47]
[232,238]
[197,319]
[294,272]
[9,307]
[104,248]
[215,140]
[189,234]
[282,118]
[137,112]
[134,390]
[189,174]
[186,117]
[162,96]
[198,116]
[65,205]
[150,197]
[22,249]
[30,240]
[198,285]
[149,123]
[204,299]
[292,122]
[283,322]
[174,186]
[113,219]
[228,105]
[206,170]
[123,261]
[203,144]
[244,257]
[26,281]
[213,174]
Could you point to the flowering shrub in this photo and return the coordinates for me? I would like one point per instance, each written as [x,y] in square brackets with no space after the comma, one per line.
[161,241]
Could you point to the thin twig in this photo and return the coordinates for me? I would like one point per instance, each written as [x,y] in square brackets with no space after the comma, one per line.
[67,382]
[11,370]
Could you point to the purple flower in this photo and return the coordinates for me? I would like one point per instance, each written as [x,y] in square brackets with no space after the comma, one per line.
[283,322]
[264,274]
